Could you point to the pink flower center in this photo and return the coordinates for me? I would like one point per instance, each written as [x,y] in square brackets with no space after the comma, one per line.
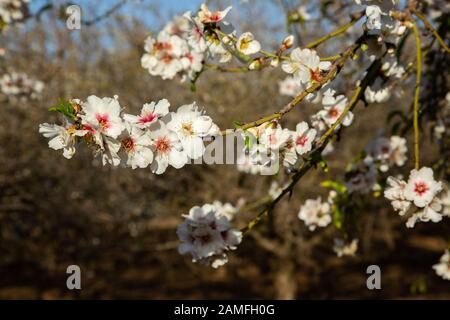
[420,188]
[163,46]
[215,17]
[315,75]
[166,58]
[147,118]
[88,128]
[272,139]
[128,144]
[301,140]
[162,144]
[205,239]
[103,121]
[333,112]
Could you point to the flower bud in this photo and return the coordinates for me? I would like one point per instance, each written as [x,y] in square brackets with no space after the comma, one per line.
[288,41]
[274,62]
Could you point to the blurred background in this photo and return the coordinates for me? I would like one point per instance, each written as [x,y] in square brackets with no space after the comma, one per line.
[119,224]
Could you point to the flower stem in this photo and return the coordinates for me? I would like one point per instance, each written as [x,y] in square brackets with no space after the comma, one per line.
[355,18]
[416,97]
[432,30]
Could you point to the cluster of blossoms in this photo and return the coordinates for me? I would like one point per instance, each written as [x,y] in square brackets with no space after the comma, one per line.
[443,267]
[272,145]
[380,90]
[421,197]
[12,11]
[380,23]
[156,138]
[183,45]
[206,234]
[380,154]
[20,85]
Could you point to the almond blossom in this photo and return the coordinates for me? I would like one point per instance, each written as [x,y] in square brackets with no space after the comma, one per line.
[62,137]
[207,236]
[341,248]
[163,55]
[150,113]
[102,117]
[136,147]
[333,107]
[315,213]
[443,267]
[303,138]
[12,10]
[206,16]
[290,86]
[306,65]
[167,149]
[421,187]
[247,44]
[191,125]
[385,152]
[421,195]
[20,85]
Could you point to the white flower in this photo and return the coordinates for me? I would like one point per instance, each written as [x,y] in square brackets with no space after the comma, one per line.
[207,16]
[333,108]
[377,93]
[109,151]
[196,37]
[386,152]
[345,249]
[207,235]
[167,149]
[443,267]
[421,187]
[21,85]
[191,126]
[150,113]
[12,10]
[373,14]
[395,192]
[163,55]
[247,44]
[431,213]
[398,151]
[290,86]
[102,116]
[303,138]
[315,213]
[61,137]
[225,209]
[136,147]
[306,65]
[303,13]
[391,68]
[275,137]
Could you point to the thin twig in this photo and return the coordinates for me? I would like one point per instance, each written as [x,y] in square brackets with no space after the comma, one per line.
[433,30]
[354,18]
[334,70]
[416,97]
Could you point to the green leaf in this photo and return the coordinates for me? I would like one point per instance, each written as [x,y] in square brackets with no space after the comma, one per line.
[65,107]
[337,186]
[237,124]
